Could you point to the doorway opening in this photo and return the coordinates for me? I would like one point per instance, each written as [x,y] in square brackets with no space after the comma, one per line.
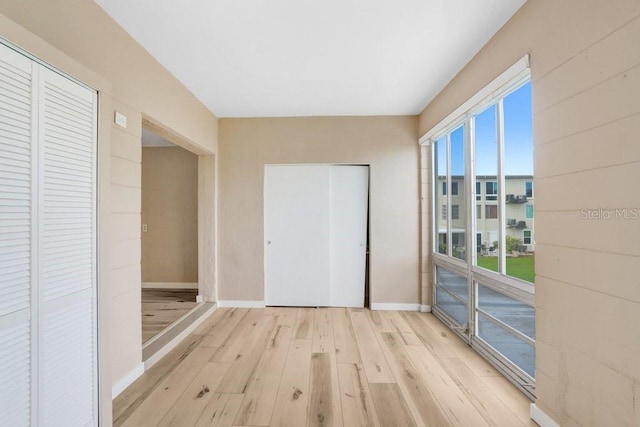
[169,218]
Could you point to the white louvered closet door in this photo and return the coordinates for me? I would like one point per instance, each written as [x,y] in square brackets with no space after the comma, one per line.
[67,136]
[48,373]
[16,231]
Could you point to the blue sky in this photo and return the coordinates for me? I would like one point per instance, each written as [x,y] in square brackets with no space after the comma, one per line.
[517,134]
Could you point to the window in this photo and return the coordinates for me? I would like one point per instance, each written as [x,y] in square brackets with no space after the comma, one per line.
[454,188]
[455,212]
[449,175]
[500,267]
[491,190]
[529,211]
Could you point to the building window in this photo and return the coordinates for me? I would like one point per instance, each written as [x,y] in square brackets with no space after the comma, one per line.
[478,211]
[528,189]
[529,211]
[491,190]
[491,211]
[444,212]
[526,237]
[455,212]
[454,188]
[478,190]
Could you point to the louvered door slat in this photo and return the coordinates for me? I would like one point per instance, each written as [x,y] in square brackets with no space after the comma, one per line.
[15,237]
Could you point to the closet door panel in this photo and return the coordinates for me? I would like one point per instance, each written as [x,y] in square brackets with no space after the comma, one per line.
[15,237]
[67,129]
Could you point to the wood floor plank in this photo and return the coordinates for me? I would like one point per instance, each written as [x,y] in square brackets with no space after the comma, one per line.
[378,321]
[391,406]
[461,349]
[227,323]
[373,359]
[357,403]
[249,356]
[345,339]
[287,316]
[325,408]
[400,326]
[422,402]
[191,404]
[262,389]
[429,338]
[293,395]
[237,336]
[131,398]
[511,396]
[323,339]
[304,324]
[454,403]
[221,410]
[160,400]
[162,307]
[487,403]
[212,320]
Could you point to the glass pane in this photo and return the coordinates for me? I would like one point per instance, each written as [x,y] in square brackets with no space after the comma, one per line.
[486,166]
[514,313]
[458,199]
[456,306]
[440,203]
[521,353]
[518,164]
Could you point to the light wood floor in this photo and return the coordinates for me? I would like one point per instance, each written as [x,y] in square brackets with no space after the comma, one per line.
[311,367]
[162,307]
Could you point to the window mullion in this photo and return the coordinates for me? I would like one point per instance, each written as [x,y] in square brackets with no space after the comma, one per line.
[502,246]
[470,235]
[448,198]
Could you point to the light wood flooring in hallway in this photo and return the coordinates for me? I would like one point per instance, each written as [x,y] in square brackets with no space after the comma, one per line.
[321,367]
[162,307]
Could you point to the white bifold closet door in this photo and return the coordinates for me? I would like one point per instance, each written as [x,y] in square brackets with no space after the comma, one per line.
[48,335]
[315,221]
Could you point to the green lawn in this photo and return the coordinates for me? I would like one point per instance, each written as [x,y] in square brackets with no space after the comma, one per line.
[521,267]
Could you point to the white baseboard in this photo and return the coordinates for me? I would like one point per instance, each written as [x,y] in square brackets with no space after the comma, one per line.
[241,304]
[541,417]
[425,308]
[395,307]
[169,285]
[174,342]
[127,380]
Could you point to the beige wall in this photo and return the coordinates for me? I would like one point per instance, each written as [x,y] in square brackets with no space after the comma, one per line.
[81,40]
[387,144]
[170,211]
[585,65]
